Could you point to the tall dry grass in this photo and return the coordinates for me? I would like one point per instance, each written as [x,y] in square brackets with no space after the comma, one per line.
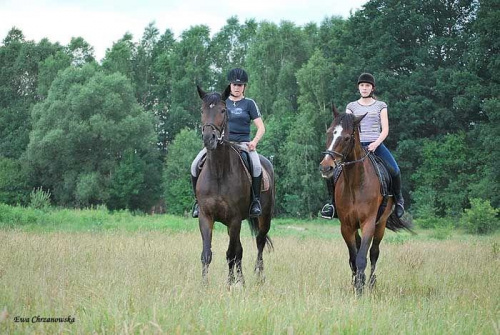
[150,282]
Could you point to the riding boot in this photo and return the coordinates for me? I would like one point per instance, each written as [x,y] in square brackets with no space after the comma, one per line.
[328,210]
[400,202]
[255,208]
[196,209]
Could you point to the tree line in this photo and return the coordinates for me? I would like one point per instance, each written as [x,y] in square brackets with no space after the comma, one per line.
[123,131]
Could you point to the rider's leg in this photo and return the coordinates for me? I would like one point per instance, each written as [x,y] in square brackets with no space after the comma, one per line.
[255,206]
[194,179]
[393,168]
[328,210]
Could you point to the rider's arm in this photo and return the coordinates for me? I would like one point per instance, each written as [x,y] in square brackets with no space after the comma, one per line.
[261,129]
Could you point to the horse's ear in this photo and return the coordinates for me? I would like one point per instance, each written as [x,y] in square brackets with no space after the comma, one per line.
[201,92]
[357,119]
[226,93]
[335,111]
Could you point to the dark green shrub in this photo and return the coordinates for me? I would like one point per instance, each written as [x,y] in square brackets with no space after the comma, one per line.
[481,218]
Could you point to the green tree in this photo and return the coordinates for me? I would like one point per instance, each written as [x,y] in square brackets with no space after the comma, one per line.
[179,195]
[481,218]
[229,47]
[81,132]
[303,185]
[444,169]
[19,68]
[485,60]
[189,65]
[14,182]
[119,57]
[162,87]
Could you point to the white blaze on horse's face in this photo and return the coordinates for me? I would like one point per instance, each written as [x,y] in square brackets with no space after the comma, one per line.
[337,131]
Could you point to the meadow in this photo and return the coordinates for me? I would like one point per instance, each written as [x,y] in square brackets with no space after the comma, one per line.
[122,274]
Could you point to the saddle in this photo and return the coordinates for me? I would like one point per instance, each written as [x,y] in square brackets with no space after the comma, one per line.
[247,166]
[383,176]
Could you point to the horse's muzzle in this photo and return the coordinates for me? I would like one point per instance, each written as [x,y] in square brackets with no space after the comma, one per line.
[326,171]
[210,141]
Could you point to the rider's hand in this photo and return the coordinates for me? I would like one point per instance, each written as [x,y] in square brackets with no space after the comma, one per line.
[373,146]
[252,145]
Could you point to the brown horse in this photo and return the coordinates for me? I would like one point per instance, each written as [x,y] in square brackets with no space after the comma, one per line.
[357,197]
[224,191]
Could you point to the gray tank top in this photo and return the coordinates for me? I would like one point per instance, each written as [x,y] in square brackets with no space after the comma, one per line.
[371,125]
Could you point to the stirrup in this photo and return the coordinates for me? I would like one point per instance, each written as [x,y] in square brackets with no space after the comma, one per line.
[196,210]
[400,210]
[328,211]
[255,209]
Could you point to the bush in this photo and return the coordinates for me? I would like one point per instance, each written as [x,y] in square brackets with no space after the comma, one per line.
[40,199]
[481,218]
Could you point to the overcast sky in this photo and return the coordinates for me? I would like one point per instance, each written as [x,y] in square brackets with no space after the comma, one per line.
[103,22]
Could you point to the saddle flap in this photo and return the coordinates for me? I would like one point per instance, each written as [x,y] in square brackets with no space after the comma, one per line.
[247,166]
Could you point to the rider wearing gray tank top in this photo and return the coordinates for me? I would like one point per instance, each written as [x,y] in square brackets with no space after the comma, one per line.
[373,131]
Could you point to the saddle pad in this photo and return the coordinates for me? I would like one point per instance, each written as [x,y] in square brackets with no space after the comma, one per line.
[264,186]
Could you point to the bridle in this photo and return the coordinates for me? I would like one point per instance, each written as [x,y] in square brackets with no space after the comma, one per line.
[220,131]
[343,155]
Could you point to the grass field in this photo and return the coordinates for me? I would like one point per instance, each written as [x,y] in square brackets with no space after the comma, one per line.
[143,275]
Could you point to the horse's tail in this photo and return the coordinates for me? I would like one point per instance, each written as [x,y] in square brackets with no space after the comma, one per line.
[254,228]
[396,224]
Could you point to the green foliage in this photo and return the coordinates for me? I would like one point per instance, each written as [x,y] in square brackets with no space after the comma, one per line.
[40,199]
[305,141]
[126,181]
[80,132]
[481,218]
[442,179]
[179,195]
[442,232]
[94,129]
[14,187]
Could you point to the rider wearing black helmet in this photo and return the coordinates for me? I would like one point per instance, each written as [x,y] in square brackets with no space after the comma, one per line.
[242,111]
[374,129]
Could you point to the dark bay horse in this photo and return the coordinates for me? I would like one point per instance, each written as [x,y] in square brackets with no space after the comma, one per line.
[224,191]
[357,197]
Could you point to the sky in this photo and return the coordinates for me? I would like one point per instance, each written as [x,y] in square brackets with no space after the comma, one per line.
[103,22]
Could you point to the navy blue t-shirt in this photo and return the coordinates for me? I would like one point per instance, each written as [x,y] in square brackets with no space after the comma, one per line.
[241,114]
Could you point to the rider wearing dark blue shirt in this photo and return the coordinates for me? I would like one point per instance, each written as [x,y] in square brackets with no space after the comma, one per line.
[242,112]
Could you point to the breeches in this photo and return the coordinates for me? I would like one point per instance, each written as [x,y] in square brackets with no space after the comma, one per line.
[387,157]
[254,158]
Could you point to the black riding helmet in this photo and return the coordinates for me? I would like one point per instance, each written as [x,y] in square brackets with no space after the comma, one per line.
[366,78]
[237,76]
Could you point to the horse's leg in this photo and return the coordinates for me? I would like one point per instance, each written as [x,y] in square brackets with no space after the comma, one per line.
[206,226]
[374,252]
[367,232]
[234,254]
[350,239]
[261,239]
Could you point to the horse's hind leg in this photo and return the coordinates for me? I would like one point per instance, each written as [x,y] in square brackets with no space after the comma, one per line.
[206,226]
[262,239]
[234,255]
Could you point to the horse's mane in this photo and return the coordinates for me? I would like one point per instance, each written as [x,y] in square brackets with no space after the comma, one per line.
[212,98]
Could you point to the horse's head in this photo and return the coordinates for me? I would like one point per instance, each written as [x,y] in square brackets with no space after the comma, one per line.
[340,141]
[213,117]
